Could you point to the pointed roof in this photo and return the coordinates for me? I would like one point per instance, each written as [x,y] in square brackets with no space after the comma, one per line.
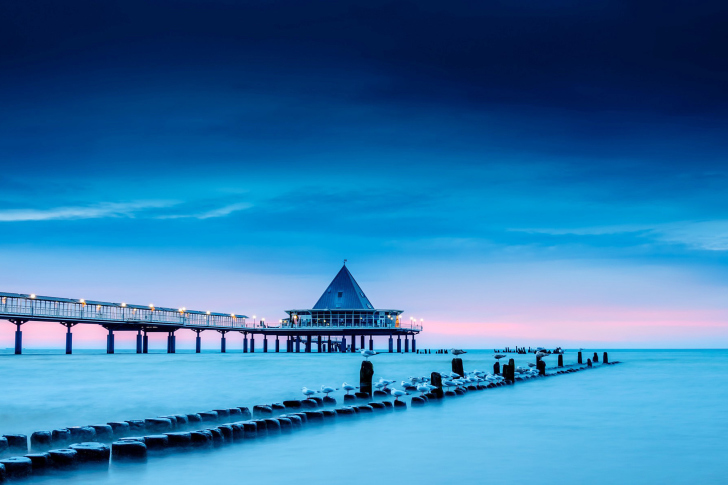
[343,292]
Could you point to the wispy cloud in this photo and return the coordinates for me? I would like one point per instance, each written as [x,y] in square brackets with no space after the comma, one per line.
[152,209]
[96,211]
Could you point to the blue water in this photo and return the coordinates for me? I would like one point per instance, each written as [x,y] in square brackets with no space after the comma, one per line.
[657,418]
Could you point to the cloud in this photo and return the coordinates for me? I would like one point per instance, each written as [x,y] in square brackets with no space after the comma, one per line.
[223,211]
[96,211]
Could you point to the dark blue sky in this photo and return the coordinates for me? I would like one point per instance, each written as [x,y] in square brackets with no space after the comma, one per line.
[235,152]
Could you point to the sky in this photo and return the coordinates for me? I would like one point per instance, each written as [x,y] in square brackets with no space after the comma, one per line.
[512,173]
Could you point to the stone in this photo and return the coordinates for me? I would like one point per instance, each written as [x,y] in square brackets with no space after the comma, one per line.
[218,439]
[379,393]
[194,419]
[227,432]
[346,411]
[222,413]
[286,424]
[262,427]
[278,407]
[349,398]
[156,442]
[318,400]
[245,412]
[120,429]
[378,406]
[496,368]
[362,396]
[388,404]
[92,452]
[63,458]
[235,413]
[561,360]
[605,358]
[365,408]
[417,401]
[17,466]
[328,414]
[61,436]
[329,401]
[40,462]
[82,433]
[208,416]
[399,405]
[309,404]
[260,411]
[250,430]
[128,451]
[136,425]
[436,380]
[314,416]
[292,404]
[450,393]
[201,439]
[296,421]
[272,425]
[3,445]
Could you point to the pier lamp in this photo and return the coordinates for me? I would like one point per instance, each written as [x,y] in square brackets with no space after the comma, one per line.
[253,320]
[208,312]
[123,305]
[32,297]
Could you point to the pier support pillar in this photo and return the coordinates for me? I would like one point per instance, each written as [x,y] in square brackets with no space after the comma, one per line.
[353,343]
[391,344]
[110,342]
[139,342]
[399,344]
[371,343]
[198,342]
[342,346]
[223,343]
[265,343]
[308,344]
[171,343]
[363,345]
[319,343]
[298,343]
[18,336]
[245,343]
[406,343]
[145,343]
[289,344]
[69,341]
[278,345]
[252,343]
[328,345]
[414,345]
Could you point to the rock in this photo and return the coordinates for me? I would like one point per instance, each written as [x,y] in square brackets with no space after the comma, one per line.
[63,458]
[349,398]
[432,396]
[238,432]
[158,425]
[329,401]
[17,443]
[292,404]
[328,414]
[399,405]
[3,473]
[314,416]
[496,368]
[41,440]
[346,411]
[103,432]
[260,411]
[91,452]
[3,445]
[296,421]
[245,412]
[201,439]
[379,393]
[365,377]
[235,413]
[179,439]
[450,394]
[365,408]
[388,404]
[17,466]
[286,424]
[136,426]
[417,401]
[605,358]
[459,391]
[277,407]
[128,451]
[262,427]
[156,442]
[182,420]
[120,428]
[561,360]
[208,416]
[40,461]
[303,417]
[318,400]
[378,406]
[61,437]
[362,396]
[595,359]
[227,432]
[172,421]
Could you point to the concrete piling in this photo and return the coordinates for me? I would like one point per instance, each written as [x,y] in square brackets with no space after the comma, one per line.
[457,366]
[365,377]
[145,343]
[92,452]
[139,346]
[17,443]
[128,451]
[605,358]
[63,458]
[17,466]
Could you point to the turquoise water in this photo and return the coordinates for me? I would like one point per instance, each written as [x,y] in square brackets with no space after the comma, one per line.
[657,418]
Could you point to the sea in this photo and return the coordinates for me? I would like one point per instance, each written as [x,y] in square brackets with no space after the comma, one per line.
[658,417]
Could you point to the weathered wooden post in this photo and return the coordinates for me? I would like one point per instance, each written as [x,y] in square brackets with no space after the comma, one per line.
[605,358]
[588,362]
[436,380]
[579,357]
[496,368]
[541,366]
[561,360]
[457,366]
[365,377]
[511,370]
[595,358]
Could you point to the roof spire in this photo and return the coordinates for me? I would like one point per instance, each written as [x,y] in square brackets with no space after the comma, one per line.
[343,292]
[345,262]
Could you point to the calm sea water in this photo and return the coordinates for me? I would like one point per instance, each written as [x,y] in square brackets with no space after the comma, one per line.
[657,418]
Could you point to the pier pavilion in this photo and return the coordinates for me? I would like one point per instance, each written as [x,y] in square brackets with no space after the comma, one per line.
[345,311]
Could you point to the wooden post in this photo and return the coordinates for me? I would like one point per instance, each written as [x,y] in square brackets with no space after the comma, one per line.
[595,358]
[605,358]
[496,368]
[541,366]
[457,366]
[579,357]
[436,380]
[512,370]
[561,360]
[588,362]
[365,377]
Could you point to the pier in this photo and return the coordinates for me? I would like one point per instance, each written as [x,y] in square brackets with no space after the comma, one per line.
[328,327]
